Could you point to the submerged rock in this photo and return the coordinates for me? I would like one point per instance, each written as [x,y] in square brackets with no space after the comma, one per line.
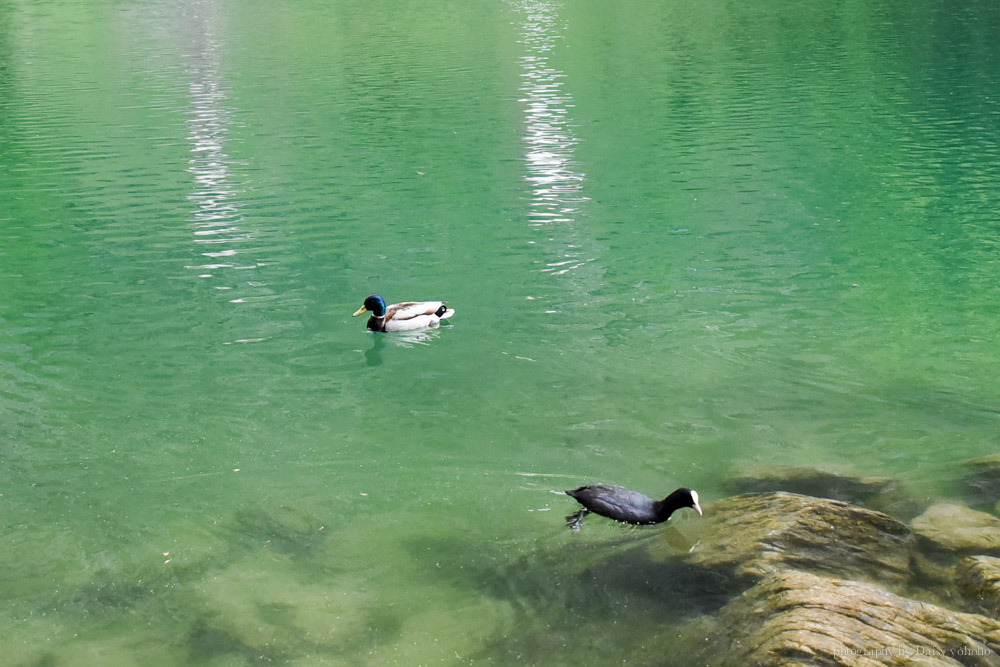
[982,481]
[879,493]
[955,528]
[757,535]
[276,526]
[978,580]
[798,618]
[946,533]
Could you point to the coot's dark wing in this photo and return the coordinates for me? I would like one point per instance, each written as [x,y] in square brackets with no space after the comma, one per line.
[616,502]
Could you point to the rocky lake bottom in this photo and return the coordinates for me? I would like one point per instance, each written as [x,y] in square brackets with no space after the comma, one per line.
[805,567]
[795,567]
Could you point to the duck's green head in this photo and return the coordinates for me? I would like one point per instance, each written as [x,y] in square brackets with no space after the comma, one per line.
[373,304]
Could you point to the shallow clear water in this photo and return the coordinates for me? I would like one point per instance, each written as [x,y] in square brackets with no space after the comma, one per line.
[683,241]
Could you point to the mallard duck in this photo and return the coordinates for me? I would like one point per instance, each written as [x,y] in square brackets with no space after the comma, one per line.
[404,316]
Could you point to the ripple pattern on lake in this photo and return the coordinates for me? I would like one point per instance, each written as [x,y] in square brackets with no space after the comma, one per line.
[557,183]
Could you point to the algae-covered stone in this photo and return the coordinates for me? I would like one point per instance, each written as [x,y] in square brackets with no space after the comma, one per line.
[982,481]
[978,579]
[879,493]
[756,535]
[277,526]
[266,607]
[798,618]
[954,528]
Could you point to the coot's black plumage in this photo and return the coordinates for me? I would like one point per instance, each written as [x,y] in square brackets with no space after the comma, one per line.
[628,506]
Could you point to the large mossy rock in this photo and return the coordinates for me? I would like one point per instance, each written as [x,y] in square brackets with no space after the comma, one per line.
[798,618]
[756,535]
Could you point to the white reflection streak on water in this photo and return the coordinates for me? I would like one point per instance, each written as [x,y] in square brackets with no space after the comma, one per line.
[217,216]
[557,188]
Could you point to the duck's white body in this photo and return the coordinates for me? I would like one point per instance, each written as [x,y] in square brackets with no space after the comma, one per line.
[415,315]
[405,316]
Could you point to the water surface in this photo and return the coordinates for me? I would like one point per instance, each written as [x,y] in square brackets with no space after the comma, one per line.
[683,242]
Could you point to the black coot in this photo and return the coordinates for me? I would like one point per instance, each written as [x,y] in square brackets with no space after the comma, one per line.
[628,506]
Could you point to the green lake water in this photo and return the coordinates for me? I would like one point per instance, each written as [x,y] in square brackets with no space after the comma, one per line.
[683,240]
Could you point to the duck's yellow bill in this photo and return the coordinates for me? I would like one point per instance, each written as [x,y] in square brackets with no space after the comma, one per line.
[361,311]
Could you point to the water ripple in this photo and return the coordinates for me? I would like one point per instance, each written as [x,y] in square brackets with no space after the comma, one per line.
[217,220]
[552,170]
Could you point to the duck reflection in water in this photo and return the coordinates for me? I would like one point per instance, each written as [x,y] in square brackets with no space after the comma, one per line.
[373,355]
